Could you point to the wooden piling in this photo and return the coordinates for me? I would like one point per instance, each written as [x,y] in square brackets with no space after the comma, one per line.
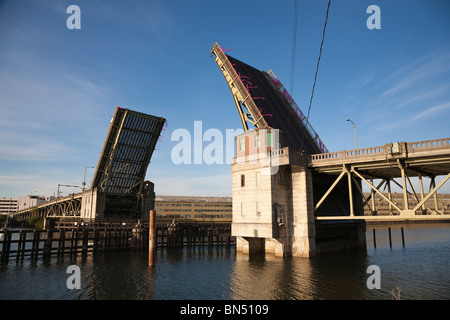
[20,245]
[403,238]
[5,245]
[105,239]
[48,244]
[152,238]
[95,240]
[374,239]
[61,241]
[84,248]
[34,244]
[72,238]
[390,239]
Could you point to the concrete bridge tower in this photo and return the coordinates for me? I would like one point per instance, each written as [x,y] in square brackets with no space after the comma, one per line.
[272,191]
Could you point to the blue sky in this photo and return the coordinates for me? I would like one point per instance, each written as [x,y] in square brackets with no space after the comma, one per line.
[59,87]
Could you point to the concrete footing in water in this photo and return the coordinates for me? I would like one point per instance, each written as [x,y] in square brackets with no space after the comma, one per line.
[329,236]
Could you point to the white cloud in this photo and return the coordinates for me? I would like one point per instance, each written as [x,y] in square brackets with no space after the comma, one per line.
[432,111]
[421,71]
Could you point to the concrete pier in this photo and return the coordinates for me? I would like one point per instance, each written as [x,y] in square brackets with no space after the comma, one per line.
[273,203]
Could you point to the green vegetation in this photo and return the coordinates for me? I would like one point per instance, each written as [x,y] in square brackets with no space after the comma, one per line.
[32,223]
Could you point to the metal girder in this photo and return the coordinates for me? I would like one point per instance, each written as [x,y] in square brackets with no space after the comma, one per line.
[241,96]
[123,162]
[329,190]
[429,158]
[432,192]
[405,210]
[376,190]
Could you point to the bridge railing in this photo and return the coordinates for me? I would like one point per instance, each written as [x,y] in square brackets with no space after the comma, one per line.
[380,152]
[239,85]
[351,154]
[426,145]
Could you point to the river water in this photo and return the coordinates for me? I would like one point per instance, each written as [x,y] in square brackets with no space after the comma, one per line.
[418,271]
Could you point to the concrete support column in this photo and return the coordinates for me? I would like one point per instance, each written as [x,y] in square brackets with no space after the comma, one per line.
[276,247]
[250,245]
[304,233]
[361,234]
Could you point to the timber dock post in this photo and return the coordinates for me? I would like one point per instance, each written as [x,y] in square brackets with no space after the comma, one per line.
[151,238]
[138,236]
[403,238]
[374,239]
[70,239]
[390,239]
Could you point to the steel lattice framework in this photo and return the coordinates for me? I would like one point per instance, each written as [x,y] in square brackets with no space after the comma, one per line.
[262,101]
[124,159]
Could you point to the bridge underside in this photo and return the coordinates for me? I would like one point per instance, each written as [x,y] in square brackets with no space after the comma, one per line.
[262,101]
[118,188]
[124,159]
[402,166]
[69,206]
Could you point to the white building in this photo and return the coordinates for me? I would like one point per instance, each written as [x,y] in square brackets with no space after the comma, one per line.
[29,201]
[8,205]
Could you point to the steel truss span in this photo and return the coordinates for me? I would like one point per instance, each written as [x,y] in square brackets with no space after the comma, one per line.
[402,161]
[118,188]
[263,102]
[124,159]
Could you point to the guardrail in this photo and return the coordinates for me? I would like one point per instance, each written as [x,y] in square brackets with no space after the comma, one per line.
[420,146]
[301,116]
[381,152]
[238,84]
[345,154]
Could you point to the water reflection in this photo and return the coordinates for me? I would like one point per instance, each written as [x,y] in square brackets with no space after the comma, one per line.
[414,235]
[420,271]
[116,275]
[263,277]
[328,277]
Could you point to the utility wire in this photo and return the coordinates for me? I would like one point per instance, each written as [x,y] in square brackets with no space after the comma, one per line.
[294,45]
[317,67]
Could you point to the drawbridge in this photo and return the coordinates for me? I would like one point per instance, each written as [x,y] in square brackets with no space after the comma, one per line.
[124,159]
[118,188]
[292,197]
[263,102]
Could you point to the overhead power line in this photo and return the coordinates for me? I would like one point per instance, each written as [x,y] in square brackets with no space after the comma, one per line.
[318,62]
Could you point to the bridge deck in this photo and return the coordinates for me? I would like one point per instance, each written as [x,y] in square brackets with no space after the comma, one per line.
[403,160]
[429,158]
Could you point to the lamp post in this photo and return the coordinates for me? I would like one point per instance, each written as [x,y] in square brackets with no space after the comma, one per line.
[84,179]
[354,128]
[64,185]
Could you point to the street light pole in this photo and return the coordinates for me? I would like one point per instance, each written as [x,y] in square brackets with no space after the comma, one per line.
[64,185]
[354,128]
[84,179]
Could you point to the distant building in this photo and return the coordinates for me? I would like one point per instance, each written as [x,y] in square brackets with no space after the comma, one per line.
[193,207]
[8,205]
[29,201]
